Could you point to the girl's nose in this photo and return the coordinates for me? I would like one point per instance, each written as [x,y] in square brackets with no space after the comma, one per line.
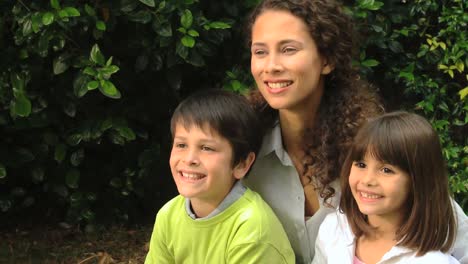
[368,178]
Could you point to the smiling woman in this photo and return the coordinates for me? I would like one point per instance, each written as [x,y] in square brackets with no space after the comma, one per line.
[311,101]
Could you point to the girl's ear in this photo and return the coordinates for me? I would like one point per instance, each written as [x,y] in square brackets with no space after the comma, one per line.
[243,166]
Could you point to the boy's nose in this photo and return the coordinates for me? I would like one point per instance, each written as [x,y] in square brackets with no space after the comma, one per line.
[191,158]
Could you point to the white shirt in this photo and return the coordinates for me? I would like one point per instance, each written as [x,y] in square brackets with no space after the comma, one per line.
[336,244]
[275,178]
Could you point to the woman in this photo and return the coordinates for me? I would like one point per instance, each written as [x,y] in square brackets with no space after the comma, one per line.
[314,102]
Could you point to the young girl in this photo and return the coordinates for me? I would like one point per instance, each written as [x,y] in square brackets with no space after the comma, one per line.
[395,205]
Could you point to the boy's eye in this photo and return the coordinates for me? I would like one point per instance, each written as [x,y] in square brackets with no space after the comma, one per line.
[206,148]
[180,145]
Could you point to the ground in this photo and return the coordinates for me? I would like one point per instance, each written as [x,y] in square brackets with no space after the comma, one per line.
[71,245]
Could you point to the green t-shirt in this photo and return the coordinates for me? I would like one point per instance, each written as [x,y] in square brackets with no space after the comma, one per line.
[246,232]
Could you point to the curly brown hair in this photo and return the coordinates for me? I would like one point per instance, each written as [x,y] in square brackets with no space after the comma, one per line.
[347,100]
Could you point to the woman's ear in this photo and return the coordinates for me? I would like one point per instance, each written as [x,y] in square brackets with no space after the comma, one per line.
[327,67]
[243,166]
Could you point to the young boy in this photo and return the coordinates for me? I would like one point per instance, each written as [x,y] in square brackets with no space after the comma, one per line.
[215,219]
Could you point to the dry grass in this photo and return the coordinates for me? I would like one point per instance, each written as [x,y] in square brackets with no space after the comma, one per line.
[49,245]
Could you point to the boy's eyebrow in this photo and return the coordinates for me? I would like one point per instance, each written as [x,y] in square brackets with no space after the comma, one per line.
[203,140]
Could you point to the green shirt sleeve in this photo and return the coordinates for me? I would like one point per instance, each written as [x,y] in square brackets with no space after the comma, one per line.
[158,249]
[254,253]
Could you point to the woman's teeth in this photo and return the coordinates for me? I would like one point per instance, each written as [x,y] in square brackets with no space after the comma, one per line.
[278,85]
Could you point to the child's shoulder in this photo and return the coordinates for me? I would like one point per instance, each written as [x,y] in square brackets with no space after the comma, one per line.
[172,206]
[255,212]
[435,257]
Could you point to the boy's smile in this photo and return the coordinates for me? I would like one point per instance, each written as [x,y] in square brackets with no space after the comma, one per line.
[201,165]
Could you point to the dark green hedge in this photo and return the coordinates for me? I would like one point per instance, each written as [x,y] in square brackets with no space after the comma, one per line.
[87,89]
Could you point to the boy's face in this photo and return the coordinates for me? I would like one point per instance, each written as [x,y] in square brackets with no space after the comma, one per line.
[201,164]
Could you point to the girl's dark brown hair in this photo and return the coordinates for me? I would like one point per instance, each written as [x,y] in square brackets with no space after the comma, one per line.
[409,142]
[347,101]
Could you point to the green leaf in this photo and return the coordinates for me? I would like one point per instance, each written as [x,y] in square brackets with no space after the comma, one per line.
[72,178]
[165,30]
[22,106]
[27,27]
[47,18]
[108,89]
[73,12]
[149,3]
[188,41]
[55,4]
[60,152]
[142,16]
[36,22]
[370,63]
[219,25]
[62,13]
[80,85]
[92,85]
[77,157]
[37,175]
[3,172]
[186,19]
[89,10]
[96,55]
[100,25]
[90,71]
[109,70]
[193,33]
[109,61]
[17,81]
[463,93]
[126,132]
[60,64]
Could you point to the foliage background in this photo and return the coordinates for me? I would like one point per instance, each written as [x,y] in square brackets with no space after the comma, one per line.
[87,89]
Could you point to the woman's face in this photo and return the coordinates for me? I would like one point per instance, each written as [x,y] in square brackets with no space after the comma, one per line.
[285,61]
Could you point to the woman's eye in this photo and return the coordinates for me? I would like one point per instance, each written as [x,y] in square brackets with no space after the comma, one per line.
[259,52]
[289,50]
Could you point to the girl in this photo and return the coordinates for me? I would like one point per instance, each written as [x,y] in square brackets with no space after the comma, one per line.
[395,205]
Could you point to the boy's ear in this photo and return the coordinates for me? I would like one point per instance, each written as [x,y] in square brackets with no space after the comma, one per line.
[243,166]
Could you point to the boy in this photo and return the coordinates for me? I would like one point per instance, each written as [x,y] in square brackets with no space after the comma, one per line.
[215,219]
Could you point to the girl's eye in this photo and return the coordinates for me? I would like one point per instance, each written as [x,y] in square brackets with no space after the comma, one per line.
[359,164]
[387,170]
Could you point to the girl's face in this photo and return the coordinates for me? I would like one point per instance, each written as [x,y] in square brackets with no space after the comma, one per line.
[285,62]
[380,189]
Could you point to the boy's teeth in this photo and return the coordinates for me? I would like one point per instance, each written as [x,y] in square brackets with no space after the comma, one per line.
[277,85]
[370,196]
[192,175]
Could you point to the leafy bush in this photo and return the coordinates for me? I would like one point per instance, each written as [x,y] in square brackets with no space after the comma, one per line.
[87,89]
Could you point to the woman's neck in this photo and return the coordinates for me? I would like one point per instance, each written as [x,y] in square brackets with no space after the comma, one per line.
[294,126]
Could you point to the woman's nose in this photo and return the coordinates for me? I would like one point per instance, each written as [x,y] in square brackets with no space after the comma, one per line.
[273,64]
